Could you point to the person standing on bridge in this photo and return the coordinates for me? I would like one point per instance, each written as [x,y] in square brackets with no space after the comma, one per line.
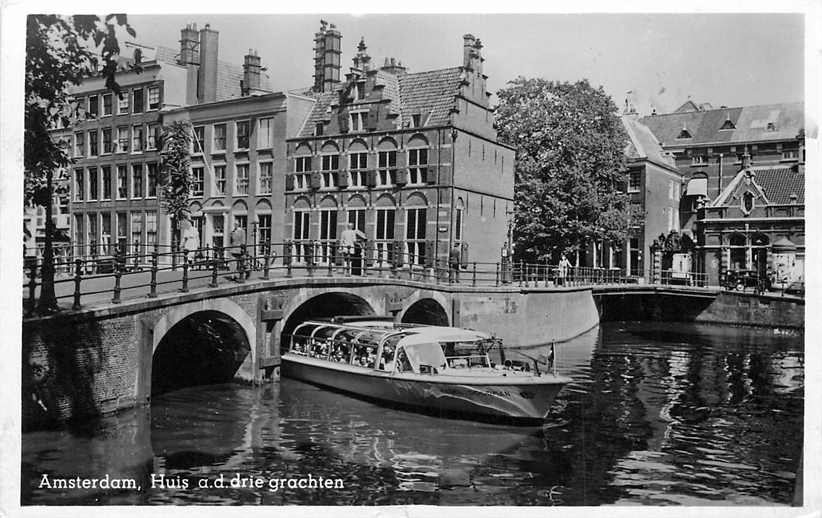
[348,240]
[564,265]
[454,258]
[190,241]
[237,243]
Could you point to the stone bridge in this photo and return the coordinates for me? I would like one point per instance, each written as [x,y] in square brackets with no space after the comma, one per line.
[108,356]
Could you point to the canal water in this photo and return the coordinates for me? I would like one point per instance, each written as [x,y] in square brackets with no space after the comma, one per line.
[658,414]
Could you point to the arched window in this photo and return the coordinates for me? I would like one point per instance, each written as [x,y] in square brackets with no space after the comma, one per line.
[417,160]
[357,163]
[387,163]
[415,229]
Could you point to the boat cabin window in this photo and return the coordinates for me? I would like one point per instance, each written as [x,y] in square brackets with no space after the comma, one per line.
[301,339]
[461,355]
[422,358]
[321,342]
[389,348]
[365,349]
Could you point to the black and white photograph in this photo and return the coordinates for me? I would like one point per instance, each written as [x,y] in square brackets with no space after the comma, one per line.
[491,262]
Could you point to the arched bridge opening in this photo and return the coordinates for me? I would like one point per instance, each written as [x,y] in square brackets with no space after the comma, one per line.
[426,311]
[203,348]
[324,306]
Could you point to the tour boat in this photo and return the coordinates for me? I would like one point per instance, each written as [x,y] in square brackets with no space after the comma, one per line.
[444,370]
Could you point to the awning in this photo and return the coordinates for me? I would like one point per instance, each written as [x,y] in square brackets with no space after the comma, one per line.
[698,187]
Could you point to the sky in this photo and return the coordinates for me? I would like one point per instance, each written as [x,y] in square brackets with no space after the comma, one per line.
[661,59]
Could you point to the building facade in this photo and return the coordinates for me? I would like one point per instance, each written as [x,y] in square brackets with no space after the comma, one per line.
[409,159]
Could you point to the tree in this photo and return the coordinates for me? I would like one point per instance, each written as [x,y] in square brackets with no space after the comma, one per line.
[570,166]
[175,171]
[60,52]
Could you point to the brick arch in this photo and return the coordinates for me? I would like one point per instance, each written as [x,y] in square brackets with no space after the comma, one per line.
[176,314]
[420,295]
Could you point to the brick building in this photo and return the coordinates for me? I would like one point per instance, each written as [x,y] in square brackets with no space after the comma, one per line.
[723,154]
[410,159]
[114,141]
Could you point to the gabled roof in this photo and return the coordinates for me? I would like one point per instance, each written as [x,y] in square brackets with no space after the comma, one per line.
[751,124]
[775,183]
[431,94]
[642,144]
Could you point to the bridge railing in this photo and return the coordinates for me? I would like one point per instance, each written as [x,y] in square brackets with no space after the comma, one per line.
[136,271]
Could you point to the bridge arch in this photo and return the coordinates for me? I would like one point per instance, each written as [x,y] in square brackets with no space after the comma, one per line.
[310,305]
[426,308]
[208,341]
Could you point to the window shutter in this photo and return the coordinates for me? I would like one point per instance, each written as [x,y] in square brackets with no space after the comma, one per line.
[372,119]
[342,179]
[289,182]
[371,178]
[316,180]
[401,178]
[342,119]
[431,175]
[464,255]
[429,254]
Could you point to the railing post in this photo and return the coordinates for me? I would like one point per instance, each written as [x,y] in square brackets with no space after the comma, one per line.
[496,280]
[332,259]
[215,264]
[241,264]
[184,288]
[474,275]
[521,272]
[115,299]
[32,284]
[364,261]
[153,285]
[174,255]
[266,262]
[78,273]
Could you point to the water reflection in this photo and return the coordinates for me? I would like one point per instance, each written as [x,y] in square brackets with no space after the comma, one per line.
[667,414]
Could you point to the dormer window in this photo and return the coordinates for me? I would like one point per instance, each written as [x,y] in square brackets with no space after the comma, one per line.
[357,121]
[747,202]
[770,127]
[684,134]
[727,125]
[318,129]
[359,90]
[415,120]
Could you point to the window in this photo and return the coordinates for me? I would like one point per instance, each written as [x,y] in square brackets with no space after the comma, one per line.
[242,135]
[108,105]
[138,100]
[151,182]
[357,121]
[122,139]
[318,129]
[93,192]
[329,163]
[265,135]
[122,229]
[384,234]
[79,185]
[219,137]
[264,227]
[328,234]
[415,236]
[727,125]
[199,139]
[458,224]
[790,154]
[219,178]
[122,103]
[218,225]
[415,120]
[684,134]
[151,226]
[300,235]
[241,178]
[153,136]
[197,181]
[302,164]
[154,98]
[105,231]
[92,143]
[137,181]
[387,165]
[634,180]
[698,160]
[79,144]
[357,162]
[417,166]
[136,231]
[137,139]
[266,169]
[106,141]
[93,106]
[92,234]
[122,182]
[357,218]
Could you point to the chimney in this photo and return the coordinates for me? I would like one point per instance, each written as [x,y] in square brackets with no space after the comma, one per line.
[326,57]
[392,66]
[362,61]
[251,72]
[189,45]
[207,77]
[468,41]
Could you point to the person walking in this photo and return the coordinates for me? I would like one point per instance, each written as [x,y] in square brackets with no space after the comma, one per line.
[454,256]
[190,241]
[237,243]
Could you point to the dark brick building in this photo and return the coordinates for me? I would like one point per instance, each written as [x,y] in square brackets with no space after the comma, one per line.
[410,159]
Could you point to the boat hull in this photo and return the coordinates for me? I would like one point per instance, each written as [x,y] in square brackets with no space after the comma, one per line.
[516,398]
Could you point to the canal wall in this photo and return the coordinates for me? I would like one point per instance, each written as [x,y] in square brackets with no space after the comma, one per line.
[721,307]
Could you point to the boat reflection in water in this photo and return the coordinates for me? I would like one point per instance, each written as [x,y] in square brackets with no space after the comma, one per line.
[656,414]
